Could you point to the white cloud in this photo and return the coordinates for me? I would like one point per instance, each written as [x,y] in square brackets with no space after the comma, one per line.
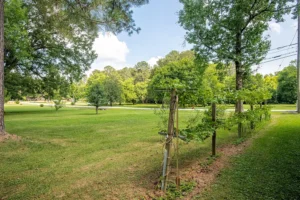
[274,27]
[152,61]
[110,51]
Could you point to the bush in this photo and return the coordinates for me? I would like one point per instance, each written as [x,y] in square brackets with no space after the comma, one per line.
[72,103]
[41,105]
[58,104]
[17,102]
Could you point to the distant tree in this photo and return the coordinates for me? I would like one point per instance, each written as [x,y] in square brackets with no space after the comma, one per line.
[231,31]
[271,82]
[211,88]
[112,89]
[58,104]
[126,73]
[129,91]
[95,95]
[141,72]
[287,84]
[77,91]
[141,90]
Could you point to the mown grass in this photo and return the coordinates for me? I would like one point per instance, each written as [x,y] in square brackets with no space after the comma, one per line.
[75,154]
[268,170]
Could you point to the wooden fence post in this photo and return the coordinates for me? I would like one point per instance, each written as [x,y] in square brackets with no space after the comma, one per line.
[214,136]
[252,122]
[169,140]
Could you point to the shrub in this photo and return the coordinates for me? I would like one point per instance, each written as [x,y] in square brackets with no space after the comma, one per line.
[17,102]
[41,105]
[72,103]
[58,104]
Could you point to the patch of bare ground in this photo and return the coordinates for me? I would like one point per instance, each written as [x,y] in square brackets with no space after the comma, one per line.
[6,136]
[205,175]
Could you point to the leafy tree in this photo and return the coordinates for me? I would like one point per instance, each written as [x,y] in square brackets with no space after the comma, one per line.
[77,91]
[96,77]
[271,82]
[59,34]
[141,72]
[175,56]
[231,31]
[171,57]
[126,73]
[113,89]
[95,95]
[287,84]
[129,91]
[58,104]
[211,88]
[181,75]
[141,90]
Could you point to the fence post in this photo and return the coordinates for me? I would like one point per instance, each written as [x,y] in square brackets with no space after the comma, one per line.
[214,136]
[169,140]
[252,122]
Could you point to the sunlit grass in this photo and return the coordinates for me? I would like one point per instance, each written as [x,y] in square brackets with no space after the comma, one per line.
[75,154]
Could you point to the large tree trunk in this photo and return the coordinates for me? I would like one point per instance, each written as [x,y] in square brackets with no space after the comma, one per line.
[2,130]
[97,108]
[239,78]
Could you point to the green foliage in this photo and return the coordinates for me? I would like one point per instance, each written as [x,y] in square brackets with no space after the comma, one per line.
[141,72]
[7,97]
[221,31]
[287,84]
[55,41]
[181,75]
[200,127]
[141,90]
[174,193]
[211,88]
[77,91]
[41,105]
[17,101]
[58,104]
[96,95]
[163,114]
[209,161]
[129,93]
[112,85]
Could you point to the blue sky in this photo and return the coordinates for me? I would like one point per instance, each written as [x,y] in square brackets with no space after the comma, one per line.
[161,34]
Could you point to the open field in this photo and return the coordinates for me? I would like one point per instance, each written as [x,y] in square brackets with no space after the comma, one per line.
[275,107]
[269,169]
[75,154]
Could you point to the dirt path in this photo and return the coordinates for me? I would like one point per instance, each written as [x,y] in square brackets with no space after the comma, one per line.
[204,175]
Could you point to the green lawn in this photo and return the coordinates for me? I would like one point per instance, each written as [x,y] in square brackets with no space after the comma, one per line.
[147,105]
[75,154]
[268,170]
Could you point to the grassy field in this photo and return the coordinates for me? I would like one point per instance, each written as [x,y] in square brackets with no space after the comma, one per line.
[268,170]
[274,106]
[75,154]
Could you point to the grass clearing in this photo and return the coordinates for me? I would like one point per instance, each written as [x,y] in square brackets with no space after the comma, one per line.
[269,169]
[75,154]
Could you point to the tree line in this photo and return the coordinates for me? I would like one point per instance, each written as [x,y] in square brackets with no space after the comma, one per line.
[197,87]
